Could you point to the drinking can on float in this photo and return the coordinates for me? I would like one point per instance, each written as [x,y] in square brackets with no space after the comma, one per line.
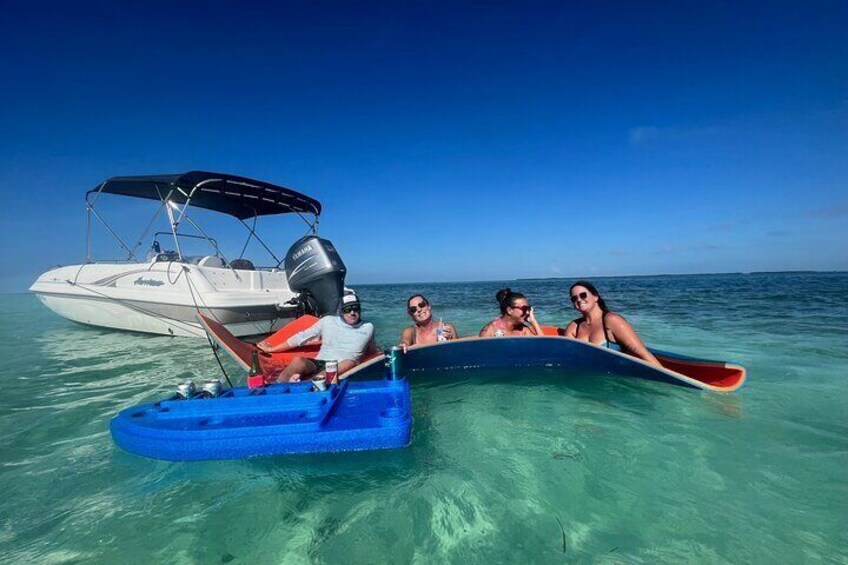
[394,364]
[185,390]
[440,332]
[212,388]
[331,369]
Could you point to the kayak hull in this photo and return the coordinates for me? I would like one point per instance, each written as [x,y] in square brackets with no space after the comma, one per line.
[273,420]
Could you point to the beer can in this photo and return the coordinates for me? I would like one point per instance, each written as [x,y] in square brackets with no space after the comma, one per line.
[394,364]
[331,369]
[212,388]
[186,390]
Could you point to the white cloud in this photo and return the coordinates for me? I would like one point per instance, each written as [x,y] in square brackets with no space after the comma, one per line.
[643,134]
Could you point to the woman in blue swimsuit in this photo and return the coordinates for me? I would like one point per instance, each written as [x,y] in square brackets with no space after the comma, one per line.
[601,327]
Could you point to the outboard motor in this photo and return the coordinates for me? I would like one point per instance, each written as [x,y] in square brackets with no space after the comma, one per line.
[315,270]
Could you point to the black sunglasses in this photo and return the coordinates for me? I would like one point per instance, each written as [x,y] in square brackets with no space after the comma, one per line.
[349,309]
[525,308]
[580,296]
[421,305]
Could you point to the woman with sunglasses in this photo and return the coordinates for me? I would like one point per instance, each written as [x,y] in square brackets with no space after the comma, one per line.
[424,330]
[517,317]
[599,326]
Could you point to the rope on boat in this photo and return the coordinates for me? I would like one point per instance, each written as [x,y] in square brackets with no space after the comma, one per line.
[153,314]
[208,337]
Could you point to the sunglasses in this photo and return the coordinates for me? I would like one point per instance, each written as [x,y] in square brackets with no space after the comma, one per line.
[524,309]
[581,296]
[349,309]
[413,309]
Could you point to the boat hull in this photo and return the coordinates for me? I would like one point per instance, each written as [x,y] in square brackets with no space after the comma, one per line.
[165,298]
[272,420]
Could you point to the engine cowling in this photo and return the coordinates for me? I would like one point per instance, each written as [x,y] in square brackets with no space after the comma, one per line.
[316,271]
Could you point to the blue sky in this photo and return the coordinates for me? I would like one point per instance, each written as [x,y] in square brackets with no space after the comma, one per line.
[447,142]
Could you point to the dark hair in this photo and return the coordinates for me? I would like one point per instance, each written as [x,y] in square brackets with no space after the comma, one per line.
[591,288]
[424,298]
[506,297]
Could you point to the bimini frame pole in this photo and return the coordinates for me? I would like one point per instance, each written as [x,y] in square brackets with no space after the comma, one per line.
[91,210]
[170,209]
[87,233]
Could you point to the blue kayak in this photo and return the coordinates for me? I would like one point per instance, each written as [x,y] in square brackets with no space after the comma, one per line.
[276,419]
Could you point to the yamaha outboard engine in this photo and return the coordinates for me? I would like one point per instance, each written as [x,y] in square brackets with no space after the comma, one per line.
[316,271]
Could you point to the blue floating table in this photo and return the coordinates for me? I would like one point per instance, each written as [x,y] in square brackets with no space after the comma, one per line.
[276,419]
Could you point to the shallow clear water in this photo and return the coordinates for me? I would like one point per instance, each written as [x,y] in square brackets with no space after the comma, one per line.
[535,467]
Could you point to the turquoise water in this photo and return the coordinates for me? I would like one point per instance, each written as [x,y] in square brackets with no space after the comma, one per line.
[502,468]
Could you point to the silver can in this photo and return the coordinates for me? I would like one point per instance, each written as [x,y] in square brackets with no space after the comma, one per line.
[212,388]
[394,363]
[186,390]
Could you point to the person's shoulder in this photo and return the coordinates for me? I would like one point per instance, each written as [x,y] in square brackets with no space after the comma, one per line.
[614,319]
[493,323]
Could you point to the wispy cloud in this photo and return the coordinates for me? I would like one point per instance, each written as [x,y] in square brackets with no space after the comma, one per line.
[706,247]
[698,247]
[619,252]
[647,134]
[643,134]
[555,269]
[725,227]
[838,211]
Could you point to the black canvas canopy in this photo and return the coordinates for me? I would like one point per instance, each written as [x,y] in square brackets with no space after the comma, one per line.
[237,196]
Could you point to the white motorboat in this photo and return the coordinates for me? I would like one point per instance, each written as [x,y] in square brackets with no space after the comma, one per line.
[163,292]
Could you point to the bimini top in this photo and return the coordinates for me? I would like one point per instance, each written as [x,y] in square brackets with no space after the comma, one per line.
[237,196]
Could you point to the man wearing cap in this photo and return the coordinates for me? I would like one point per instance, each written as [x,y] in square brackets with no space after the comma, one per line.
[344,339]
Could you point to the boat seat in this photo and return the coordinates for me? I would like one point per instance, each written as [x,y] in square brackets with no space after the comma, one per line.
[166,256]
[242,264]
[211,261]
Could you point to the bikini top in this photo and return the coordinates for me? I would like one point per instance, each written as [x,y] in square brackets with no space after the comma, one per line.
[502,330]
[606,343]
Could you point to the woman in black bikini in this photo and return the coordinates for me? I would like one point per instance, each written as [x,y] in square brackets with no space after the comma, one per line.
[425,329]
[601,327]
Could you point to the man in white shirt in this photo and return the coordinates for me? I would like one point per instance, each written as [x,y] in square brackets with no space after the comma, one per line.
[344,339]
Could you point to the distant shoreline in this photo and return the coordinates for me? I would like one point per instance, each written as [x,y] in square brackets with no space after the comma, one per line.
[684,275]
[593,277]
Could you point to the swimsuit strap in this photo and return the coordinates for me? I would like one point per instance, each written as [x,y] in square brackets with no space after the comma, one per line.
[578,321]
